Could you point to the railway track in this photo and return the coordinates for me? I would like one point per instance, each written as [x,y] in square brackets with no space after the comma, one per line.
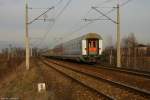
[136,80]
[109,88]
[125,70]
[52,65]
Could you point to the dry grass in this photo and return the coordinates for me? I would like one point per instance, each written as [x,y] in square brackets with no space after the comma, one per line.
[8,66]
[22,84]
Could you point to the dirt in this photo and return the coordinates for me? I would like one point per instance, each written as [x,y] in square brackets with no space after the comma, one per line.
[21,84]
[65,88]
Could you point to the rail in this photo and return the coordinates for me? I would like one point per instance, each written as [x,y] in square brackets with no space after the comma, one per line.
[117,84]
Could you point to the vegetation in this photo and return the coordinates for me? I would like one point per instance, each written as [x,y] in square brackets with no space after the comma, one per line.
[133,54]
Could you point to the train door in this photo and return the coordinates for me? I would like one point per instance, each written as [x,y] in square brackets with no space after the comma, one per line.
[93,47]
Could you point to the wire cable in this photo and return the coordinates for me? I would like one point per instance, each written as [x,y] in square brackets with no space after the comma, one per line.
[59,2]
[59,14]
[82,27]
[126,2]
[40,15]
[87,24]
[100,16]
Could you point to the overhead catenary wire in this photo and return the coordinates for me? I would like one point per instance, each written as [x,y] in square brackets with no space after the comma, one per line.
[104,2]
[58,15]
[40,15]
[31,8]
[63,9]
[92,21]
[104,15]
[50,20]
[126,2]
[85,25]
[36,8]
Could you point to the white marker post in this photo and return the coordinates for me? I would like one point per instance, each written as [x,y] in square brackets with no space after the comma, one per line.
[41,87]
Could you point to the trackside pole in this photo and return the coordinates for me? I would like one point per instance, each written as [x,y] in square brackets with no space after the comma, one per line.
[118,37]
[27,36]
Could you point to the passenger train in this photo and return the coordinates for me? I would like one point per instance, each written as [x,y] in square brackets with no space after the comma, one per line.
[86,48]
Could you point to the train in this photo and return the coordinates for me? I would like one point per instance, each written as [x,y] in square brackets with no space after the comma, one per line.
[86,48]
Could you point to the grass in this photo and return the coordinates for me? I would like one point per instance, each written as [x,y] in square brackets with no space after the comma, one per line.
[23,85]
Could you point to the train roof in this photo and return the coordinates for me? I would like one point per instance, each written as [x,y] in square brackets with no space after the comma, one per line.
[84,37]
[92,35]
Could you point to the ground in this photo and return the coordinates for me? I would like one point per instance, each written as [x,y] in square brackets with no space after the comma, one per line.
[22,84]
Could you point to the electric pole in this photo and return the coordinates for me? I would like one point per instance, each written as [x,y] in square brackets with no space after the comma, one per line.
[27,36]
[27,23]
[118,36]
[117,29]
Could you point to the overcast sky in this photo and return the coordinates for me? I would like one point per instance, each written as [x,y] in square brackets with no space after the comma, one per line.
[68,24]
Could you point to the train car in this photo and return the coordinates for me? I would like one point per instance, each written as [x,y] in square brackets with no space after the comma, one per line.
[86,48]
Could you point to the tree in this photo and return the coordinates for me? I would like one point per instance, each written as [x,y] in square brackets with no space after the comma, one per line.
[130,41]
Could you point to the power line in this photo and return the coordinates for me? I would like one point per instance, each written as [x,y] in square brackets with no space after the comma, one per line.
[59,2]
[104,2]
[64,8]
[27,31]
[108,18]
[59,14]
[126,2]
[52,20]
[80,28]
[118,29]
[113,8]
[40,15]
[36,8]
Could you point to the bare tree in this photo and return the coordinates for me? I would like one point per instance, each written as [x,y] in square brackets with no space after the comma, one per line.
[130,41]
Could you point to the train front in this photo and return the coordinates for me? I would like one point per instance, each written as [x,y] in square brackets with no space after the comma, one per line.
[91,47]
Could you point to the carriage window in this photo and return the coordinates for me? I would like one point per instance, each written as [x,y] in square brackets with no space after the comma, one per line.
[94,44]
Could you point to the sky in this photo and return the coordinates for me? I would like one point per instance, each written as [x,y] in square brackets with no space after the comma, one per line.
[66,21]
